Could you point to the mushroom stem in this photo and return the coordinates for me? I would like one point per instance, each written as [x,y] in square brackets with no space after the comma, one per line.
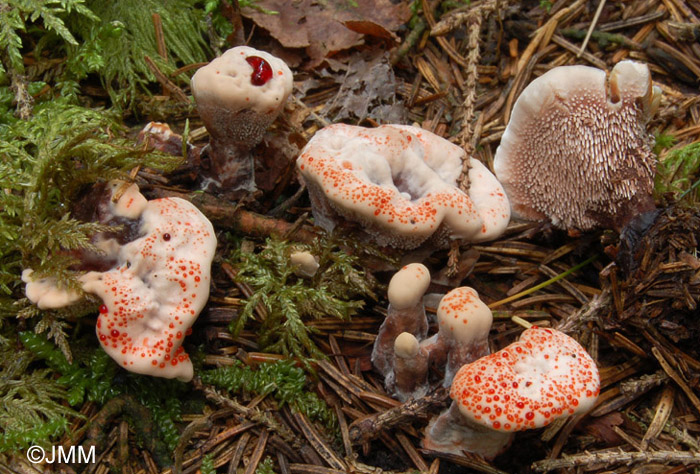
[452,433]
[410,376]
[406,313]
[232,166]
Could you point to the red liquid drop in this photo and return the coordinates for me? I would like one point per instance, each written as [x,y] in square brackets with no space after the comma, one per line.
[262,72]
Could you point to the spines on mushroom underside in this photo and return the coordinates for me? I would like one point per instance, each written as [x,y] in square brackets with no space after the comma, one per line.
[576,156]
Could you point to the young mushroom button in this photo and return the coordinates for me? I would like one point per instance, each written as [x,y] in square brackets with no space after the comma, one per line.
[528,384]
[399,184]
[576,151]
[409,378]
[405,314]
[464,322]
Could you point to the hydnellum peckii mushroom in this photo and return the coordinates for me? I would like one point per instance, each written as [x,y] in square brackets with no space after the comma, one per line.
[576,151]
[543,376]
[400,184]
[409,379]
[464,322]
[158,285]
[238,95]
[405,314]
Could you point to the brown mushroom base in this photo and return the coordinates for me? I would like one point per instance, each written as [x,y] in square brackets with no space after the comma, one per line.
[453,434]
[462,354]
[409,378]
[231,168]
[242,128]
[411,320]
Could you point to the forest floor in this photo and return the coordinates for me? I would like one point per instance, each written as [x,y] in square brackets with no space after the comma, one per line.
[378,63]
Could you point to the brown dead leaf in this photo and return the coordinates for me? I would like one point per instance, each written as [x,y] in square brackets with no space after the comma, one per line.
[370,28]
[319,26]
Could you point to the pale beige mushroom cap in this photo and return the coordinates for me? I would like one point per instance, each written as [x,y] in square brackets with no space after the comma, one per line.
[406,345]
[576,151]
[45,292]
[234,109]
[463,315]
[399,183]
[408,285]
[226,81]
[305,263]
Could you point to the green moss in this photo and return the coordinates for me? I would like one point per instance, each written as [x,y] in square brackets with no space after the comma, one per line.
[678,174]
[283,380]
[290,300]
[31,408]
[95,377]
[267,466]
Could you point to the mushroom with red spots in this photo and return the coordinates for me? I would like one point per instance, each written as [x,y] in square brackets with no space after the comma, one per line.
[157,283]
[406,313]
[399,184]
[238,95]
[464,322]
[576,151]
[543,376]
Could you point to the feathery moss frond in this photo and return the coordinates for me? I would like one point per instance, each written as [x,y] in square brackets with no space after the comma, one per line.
[282,380]
[125,34]
[45,162]
[94,376]
[31,411]
[336,290]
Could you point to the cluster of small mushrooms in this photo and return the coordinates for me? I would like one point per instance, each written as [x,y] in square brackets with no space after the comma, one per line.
[544,376]
[575,153]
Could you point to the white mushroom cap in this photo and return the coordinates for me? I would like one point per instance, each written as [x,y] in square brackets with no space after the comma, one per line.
[408,285]
[485,191]
[45,292]
[576,151]
[406,346]
[528,384]
[398,182]
[304,263]
[464,316]
[231,106]
[157,290]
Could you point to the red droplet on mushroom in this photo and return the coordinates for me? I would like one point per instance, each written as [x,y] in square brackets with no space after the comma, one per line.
[166,236]
[114,333]
[262,72]
[104,309]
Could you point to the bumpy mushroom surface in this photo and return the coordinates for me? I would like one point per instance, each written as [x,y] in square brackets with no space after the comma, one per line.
[543,376]
[157,286]
[406,313]
[464,322]
[238,95]
[576,151]
[157,290]
[399,183]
